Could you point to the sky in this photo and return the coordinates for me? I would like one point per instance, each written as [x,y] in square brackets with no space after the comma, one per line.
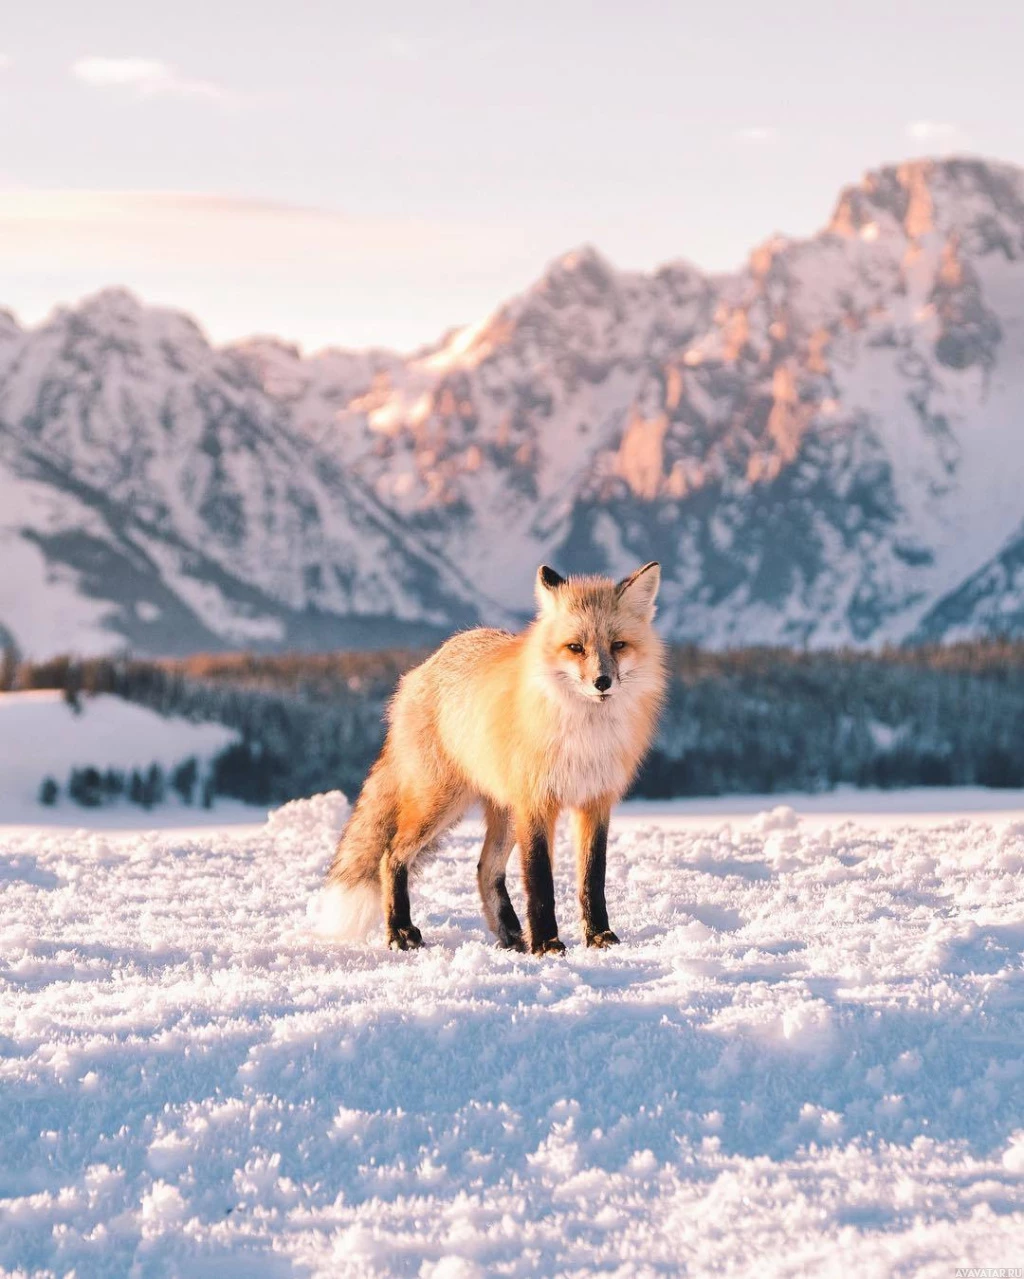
[375,174]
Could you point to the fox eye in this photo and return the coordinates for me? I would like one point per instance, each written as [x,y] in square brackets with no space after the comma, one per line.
[574,648]
[618,646]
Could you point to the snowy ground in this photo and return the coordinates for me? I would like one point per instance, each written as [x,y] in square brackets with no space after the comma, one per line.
[807,1058]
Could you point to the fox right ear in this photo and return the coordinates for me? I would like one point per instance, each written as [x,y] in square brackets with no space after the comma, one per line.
[640,589]
[548,581]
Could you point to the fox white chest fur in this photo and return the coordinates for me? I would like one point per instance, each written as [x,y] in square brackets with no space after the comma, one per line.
[594,750]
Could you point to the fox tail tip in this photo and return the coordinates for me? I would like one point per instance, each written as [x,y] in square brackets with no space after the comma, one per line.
[345,913]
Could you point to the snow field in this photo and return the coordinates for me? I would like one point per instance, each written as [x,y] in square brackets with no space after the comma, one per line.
[807,1058]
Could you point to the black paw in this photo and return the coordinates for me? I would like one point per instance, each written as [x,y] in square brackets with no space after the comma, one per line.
[512,941]
[550,947]
[405,938]
[602,940]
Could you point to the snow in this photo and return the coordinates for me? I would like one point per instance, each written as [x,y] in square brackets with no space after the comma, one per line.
[907,806]
[807,1057]
[46,601]
[41,736]
[464,348]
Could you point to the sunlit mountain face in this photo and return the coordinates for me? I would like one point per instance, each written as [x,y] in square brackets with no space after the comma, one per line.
[825,447]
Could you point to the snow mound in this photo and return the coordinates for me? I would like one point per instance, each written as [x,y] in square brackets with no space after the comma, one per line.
[319,819]
[343,914]
[1013,1156]
[781,817]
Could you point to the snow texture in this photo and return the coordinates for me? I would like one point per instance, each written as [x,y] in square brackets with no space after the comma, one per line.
[806,1058]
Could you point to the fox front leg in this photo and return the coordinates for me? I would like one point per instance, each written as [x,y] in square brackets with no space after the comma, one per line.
[591,831]
[534,836]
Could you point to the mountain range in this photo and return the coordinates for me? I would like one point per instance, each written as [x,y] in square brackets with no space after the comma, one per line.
[824,447]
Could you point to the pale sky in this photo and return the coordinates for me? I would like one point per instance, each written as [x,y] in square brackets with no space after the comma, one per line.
[373,174]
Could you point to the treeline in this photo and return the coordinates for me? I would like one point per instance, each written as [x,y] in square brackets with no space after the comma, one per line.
[767,720]
[750,720]
[306,724]
[92,787]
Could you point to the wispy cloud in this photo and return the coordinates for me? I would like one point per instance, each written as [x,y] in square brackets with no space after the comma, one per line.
[5,61]
[147,77]
[757,135]
[940,133]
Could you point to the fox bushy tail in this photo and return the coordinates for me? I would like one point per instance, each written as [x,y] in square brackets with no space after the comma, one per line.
[353,907]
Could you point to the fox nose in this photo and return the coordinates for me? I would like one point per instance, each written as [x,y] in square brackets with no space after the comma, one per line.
[603,683]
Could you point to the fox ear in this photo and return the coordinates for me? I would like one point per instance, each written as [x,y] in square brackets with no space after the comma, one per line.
[548,581]
[640,589]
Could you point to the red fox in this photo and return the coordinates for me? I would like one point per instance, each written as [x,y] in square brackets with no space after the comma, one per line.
[556,717]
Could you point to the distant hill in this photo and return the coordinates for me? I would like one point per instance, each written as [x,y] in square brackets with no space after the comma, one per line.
[42,736]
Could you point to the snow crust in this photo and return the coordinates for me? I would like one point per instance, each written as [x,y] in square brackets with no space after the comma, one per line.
[806,1058]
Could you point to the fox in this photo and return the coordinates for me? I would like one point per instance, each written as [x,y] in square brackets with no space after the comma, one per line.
[558,716]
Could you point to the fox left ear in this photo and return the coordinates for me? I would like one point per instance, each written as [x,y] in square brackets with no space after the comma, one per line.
[548,581]
[640,589]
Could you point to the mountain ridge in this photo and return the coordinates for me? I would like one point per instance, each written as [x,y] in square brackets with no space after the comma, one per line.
[822,447]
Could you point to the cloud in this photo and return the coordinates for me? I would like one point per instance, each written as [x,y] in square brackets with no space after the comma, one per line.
[757,135]
[5,61]
[147,77]
[937,133]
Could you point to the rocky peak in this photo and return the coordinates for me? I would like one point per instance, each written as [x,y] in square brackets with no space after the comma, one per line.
[115,322]
[974,197]
[580,277]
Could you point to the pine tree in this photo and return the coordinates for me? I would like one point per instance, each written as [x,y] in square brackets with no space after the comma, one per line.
[184,779]
[154,787]
[85,787]
[113,783]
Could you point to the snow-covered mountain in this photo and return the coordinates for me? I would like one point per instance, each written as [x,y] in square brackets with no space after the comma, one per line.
[823,447]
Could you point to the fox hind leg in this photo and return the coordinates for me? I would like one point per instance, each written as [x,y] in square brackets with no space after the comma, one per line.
[490,874]
[412,835]
[401,931]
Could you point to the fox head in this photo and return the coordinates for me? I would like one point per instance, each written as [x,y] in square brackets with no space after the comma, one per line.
[597,635]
